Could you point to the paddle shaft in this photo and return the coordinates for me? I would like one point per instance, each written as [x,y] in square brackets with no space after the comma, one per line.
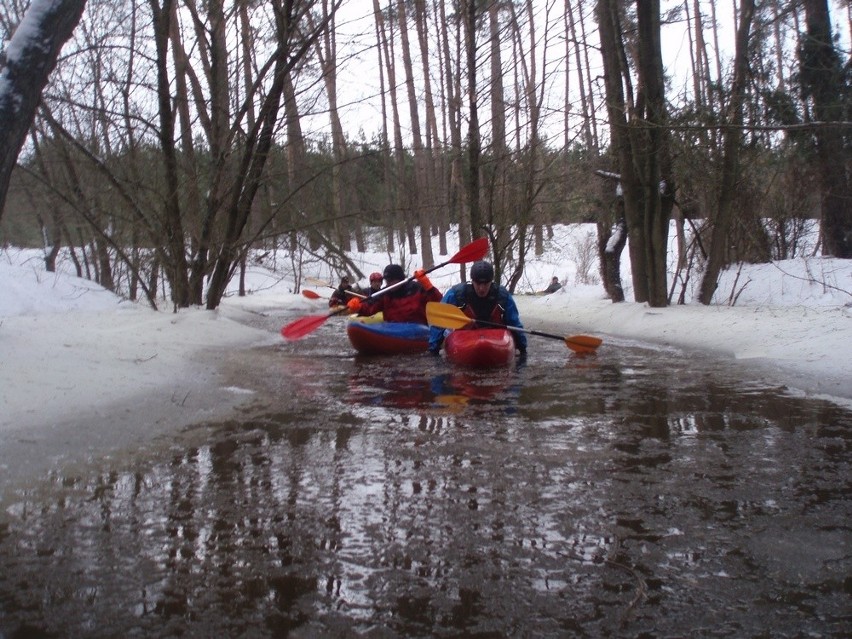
[518,329]
[317,282]
[449,316]
[476,250]
[577,343]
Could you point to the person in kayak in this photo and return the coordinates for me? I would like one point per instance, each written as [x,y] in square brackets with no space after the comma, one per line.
[341,294]
[406,303]
[482,299]
[375,284]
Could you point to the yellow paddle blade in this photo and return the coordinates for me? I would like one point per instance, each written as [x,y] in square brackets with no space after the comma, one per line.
[583,343]
[314,281]
[449,316]
[445,315]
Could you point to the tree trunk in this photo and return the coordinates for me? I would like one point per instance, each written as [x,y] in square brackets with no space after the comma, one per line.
[384,69]
[37,42]
[176,268]
[474,143]
[422,165]
[824,80]
[326,50]
[571,27]
[200,247]
[641,141]
[730,169]
[398,186]
[657,174]
[456,196]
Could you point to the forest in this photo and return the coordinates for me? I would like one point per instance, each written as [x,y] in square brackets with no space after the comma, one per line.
[174,140]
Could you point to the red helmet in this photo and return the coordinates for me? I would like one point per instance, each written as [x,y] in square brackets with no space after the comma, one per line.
[375,276]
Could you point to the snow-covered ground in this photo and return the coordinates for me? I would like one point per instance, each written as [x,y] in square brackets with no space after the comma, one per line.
[72,351]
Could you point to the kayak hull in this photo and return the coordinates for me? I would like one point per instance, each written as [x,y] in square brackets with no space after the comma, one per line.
[480,348]
[387,338]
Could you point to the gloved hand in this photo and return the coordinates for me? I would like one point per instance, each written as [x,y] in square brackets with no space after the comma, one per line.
[354,305]
[420,276]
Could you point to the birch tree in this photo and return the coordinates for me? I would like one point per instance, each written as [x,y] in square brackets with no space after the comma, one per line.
[29,59]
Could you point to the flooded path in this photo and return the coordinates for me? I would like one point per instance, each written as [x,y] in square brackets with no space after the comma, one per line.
[640,492]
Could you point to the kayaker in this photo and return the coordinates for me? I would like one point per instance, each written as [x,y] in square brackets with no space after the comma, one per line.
[482,299]
[340,296]
[406,303]
[554,286]
[375,284]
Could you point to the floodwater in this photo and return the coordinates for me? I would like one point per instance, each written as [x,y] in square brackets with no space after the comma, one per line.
[638,493]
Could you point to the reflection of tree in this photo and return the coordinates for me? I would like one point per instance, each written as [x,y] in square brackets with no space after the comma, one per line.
[439,525]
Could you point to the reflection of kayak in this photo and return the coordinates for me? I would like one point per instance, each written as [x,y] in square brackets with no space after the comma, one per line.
[387,338]
[480,348]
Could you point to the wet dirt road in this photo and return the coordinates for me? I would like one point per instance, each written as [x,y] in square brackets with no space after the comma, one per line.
[640,492]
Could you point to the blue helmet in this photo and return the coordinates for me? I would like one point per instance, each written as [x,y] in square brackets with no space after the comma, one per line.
[482,272]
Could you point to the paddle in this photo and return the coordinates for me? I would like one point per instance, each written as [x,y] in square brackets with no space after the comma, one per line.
[305,325]
[312,295]
[476,250]
[449,316]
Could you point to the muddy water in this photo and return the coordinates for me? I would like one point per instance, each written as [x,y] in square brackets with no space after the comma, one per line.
[640,492]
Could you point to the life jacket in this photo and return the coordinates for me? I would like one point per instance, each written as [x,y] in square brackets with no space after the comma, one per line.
[491,308]
[339,297]
[405,304]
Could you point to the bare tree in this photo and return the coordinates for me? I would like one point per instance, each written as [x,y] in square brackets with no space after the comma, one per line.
[422,163]
[640,137]
[586,105]
[326,51]
[474,144]
[386,32]
[452,75]
[293,45]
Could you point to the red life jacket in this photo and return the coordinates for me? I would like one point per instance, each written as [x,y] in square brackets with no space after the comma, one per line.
[406,304]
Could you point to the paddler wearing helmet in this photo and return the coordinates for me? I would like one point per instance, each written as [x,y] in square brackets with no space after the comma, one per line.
[405,303]
[485,300]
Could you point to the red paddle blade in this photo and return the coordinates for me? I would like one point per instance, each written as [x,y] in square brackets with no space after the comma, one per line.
[476,250]
[303,326]
[311,295]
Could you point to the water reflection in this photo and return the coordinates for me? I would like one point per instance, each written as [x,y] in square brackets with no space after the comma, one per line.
[600,497]
[439,387]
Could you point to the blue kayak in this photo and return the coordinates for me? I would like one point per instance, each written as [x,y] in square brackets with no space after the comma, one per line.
[387,338]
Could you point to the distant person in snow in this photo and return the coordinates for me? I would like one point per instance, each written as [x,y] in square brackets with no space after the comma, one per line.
[553,286]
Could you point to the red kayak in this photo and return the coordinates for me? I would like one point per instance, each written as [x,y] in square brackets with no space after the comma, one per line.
[387,338]
[480,348]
